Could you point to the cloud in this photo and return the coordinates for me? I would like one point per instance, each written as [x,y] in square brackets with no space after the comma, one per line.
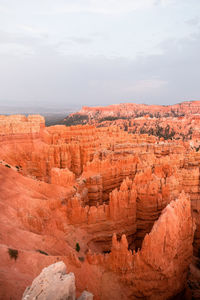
[24,40]
[16,50]
[194,21]
[4,9]
[33,31]
[58,7]
[69,44]
[148,85]
[80,40]
[48,76]
[101,6]
[162,79]
[23,34]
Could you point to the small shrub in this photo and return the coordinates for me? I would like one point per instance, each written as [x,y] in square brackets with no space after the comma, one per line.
[198,263]
[42,252]
[78,247]
[7,166]
[13,253]
[197,148]
[81,258]
[198,253]
[106,251]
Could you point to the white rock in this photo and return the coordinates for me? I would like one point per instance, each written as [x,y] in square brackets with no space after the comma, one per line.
[52,284]
[86,296]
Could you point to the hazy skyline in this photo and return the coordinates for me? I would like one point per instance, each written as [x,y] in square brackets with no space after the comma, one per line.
[99,52]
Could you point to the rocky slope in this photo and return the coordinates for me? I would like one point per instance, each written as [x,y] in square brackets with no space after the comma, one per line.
[133,110]
[180,121]
[66,190]
[159,270]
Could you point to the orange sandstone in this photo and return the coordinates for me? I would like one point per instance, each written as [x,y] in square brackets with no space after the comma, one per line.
[81,184]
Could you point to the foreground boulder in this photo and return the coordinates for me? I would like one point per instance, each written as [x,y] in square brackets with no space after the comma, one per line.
[86,296]
[54,284]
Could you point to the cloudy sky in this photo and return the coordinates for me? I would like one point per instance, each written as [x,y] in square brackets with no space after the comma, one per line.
[58,53]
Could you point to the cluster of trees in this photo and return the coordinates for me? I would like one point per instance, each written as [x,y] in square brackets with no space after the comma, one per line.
[176,114]
[76,120]
[112,118]
[164,132]
[187,136]
[157,115]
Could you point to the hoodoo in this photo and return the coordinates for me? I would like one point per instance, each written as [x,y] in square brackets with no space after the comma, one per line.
[116,200]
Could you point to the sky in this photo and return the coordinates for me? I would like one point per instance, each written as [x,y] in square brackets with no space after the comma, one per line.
[99,52]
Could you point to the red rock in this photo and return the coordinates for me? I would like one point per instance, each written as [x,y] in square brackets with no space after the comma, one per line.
[80,184]
[62,177]
[179,121]
[159,270]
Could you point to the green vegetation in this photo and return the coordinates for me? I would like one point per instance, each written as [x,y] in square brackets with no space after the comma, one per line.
[78,247]
[7,166]
[165,132]
[13,253]
[112,118]
[81,258]
[42,252]
[76,120]
[19,168]
[125,127]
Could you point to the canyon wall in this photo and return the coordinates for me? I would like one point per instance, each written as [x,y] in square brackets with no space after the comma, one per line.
[180,121]
[63,186]
[131,109]
[159,269]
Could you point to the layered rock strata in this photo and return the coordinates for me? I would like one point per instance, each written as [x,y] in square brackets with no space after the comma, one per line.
[159,269]
[180,121]
[62,187]
[133,109]
[118,216]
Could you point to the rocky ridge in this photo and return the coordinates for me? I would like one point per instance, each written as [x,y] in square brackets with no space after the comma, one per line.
[65,186]
[179,121]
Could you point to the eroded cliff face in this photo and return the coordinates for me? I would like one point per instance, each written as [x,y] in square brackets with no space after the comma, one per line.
[119,215]
[131,109]
[132,112]
[159,269]
[81,184]
[179,121]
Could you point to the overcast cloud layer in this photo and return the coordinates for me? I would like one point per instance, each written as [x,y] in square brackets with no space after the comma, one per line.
[98,52]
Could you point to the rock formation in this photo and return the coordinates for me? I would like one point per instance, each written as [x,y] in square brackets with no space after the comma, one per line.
[62,177]
[159,269]
[66,190]
[54,284]
[101,221]
[180,121]
[132,109]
